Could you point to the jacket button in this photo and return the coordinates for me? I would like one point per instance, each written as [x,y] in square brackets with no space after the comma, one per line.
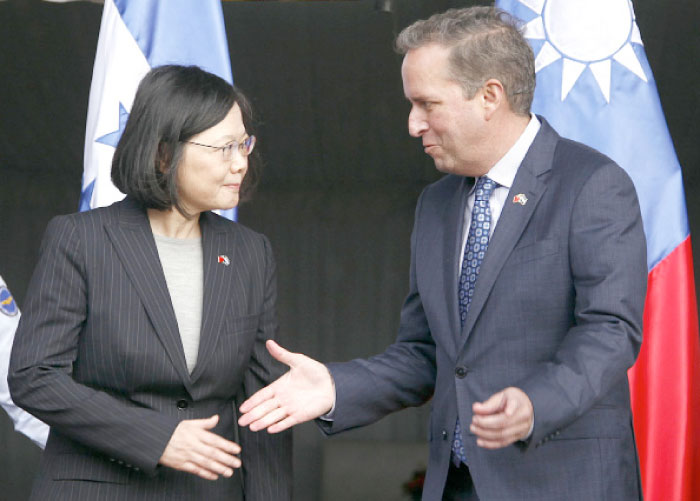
[444,434]
[461,372]
[182,404]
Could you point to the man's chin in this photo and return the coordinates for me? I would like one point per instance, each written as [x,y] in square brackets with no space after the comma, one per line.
[443,166]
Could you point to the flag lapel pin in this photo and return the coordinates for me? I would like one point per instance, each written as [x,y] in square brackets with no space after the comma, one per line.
[520,198]
[223,259]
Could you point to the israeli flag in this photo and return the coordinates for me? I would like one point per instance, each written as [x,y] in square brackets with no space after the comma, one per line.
[135,36]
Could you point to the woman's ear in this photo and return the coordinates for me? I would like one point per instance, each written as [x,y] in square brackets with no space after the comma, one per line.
[163,157]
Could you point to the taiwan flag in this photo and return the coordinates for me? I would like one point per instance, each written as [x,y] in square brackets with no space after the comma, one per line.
[135,36]
[594,85]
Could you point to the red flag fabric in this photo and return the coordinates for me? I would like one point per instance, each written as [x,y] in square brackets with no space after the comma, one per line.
[664,383]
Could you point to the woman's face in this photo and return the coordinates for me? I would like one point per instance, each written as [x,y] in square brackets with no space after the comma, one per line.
[205,179]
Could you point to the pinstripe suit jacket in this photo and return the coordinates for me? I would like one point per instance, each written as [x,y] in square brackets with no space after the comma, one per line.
[98,357]
[557,312]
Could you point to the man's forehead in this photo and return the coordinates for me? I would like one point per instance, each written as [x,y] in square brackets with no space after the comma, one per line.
[424,71]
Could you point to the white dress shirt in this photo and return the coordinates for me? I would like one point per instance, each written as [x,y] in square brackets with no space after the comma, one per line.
[502,173]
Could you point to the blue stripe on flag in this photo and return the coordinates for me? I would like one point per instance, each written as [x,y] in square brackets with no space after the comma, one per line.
[183,32]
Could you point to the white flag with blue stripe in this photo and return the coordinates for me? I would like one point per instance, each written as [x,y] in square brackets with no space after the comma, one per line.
[135,36]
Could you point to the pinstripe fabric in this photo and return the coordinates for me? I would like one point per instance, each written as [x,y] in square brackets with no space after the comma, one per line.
[98,356]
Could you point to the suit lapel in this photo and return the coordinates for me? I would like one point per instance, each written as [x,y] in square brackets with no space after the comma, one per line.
[513,220]
[452,246]
[218,285]
[133,242]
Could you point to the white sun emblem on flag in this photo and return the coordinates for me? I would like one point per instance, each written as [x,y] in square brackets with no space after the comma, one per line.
[585,33]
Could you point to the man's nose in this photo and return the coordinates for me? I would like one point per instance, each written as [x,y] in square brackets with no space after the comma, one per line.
[417,125]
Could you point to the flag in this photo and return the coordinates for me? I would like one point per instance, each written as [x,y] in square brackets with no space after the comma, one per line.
[594,85]
[135,36]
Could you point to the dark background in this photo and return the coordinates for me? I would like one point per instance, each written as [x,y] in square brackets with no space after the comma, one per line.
[341,176]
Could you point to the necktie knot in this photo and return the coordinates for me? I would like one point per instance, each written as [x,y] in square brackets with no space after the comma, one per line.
[484,188]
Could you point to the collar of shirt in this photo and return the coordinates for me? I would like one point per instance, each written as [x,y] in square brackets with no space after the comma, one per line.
[503,172]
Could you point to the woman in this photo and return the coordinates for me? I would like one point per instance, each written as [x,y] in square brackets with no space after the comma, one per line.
[146,321]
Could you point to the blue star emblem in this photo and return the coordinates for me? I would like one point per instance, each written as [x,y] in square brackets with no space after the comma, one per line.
[112,138]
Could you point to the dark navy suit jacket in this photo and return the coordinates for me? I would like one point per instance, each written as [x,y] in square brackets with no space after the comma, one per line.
[557,312]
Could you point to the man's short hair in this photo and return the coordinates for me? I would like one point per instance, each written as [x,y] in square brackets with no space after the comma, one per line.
[485,43]
[172,104]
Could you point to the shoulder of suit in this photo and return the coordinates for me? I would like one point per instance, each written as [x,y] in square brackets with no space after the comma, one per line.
[570,158]
[91,217]
[579,161]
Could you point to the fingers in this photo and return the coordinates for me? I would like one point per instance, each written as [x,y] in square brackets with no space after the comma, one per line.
[256,399]
[196,450]
[268,419]
[211,467]
[495,403]
[207,423]
[220,443]
[194,469]
[280,354]
[502,419]
[282,425]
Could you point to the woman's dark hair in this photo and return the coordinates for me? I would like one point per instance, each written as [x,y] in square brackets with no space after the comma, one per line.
[173,104]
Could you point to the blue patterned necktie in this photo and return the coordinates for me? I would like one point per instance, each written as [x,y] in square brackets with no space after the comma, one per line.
[474,252]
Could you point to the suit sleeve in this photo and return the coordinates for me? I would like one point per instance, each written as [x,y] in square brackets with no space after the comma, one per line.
[402,376]
[607,253]
[46,347]
[266,458]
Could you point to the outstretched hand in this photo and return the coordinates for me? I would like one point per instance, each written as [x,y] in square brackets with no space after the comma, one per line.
[305,392]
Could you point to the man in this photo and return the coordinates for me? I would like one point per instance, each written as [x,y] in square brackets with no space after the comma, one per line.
[527,285]
[24,422]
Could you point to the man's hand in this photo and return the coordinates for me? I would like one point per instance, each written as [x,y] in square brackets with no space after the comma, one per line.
[194,449]
[503,419]
[305,392]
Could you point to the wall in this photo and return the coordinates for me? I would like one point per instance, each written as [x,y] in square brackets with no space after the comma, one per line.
[342,174]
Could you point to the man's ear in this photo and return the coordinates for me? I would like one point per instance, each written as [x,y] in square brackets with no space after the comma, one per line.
[493,97]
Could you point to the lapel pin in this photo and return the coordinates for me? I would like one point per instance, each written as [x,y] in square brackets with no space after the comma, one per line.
[520,198]
[223,259]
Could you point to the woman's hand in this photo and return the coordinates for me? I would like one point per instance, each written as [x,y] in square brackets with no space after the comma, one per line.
[194,449]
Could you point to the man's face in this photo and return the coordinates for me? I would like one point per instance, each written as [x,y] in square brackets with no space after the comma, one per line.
[451,126]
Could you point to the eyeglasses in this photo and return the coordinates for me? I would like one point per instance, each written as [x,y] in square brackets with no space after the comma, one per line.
[244,147]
